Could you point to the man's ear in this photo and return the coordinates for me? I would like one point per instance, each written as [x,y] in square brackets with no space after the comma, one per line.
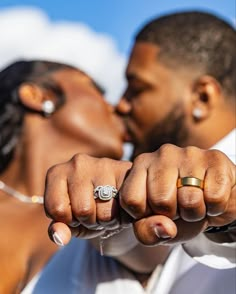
[36,98]
[207,93]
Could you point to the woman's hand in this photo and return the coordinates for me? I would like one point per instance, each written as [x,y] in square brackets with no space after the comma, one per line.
[69,197]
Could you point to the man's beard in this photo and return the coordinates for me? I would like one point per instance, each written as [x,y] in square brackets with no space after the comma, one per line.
[170,130]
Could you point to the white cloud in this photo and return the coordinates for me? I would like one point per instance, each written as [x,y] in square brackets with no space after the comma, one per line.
[27,32]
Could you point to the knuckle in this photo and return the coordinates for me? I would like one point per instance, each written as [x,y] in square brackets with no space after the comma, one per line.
[83,211]
[216,154]
[167,149]
[58,212]
[160,200]
[220,178]
[218,192]
[190,199]
[164,207]
[141,159]
[155,175]
[216,202]
[190,151]
[78,159]
[132,201]
[53,171]
[133,206]
[105,164]
[168,153]
[105,215]
[216,158]
[214,199]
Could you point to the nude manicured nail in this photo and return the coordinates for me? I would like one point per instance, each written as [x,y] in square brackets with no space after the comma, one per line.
[57,239]
[160,231]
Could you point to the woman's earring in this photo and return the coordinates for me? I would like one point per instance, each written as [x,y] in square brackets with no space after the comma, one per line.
[197,113]
[48,107]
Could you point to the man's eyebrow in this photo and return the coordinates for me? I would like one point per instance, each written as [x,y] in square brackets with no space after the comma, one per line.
[130,76]
[98,87]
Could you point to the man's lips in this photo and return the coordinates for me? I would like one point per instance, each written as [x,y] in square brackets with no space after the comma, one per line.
[128,133]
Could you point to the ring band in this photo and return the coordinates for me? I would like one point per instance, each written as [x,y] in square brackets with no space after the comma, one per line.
[105,193]
[190,181]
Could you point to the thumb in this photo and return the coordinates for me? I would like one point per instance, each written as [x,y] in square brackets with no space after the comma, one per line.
[154,230]
[59,233]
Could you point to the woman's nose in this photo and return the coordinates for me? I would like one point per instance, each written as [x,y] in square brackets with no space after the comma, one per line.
[123,106]
[111,107]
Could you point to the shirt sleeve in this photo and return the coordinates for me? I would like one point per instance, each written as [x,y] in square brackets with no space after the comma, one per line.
[210,253]
[202,249]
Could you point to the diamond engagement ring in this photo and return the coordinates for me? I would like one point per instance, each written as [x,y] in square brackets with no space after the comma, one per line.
[105,193]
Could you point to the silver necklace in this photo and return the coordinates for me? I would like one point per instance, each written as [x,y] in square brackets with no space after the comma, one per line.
[19,196]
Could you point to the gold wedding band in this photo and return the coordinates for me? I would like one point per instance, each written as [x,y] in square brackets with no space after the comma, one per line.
[190,181]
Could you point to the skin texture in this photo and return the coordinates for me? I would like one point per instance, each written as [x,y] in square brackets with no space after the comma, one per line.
[157,108]
[158,104]
[148,193]
[85,123]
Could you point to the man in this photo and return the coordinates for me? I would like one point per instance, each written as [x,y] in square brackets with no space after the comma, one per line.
[181,85]
[181,91]
[181,82]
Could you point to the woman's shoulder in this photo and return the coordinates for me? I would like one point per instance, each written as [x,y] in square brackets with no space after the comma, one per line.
[25,246]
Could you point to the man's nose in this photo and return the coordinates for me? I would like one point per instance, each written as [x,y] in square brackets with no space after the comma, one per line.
[123,106]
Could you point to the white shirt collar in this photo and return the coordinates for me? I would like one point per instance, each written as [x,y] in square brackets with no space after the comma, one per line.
[228,145]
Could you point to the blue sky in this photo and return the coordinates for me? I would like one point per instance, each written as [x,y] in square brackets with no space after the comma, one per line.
[120,18]
[94,35]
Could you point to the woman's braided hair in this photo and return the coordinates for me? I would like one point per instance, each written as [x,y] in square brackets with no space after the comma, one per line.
[11,110]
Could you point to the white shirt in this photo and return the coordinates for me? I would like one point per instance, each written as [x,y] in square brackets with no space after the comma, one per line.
[216,255]
[79,268]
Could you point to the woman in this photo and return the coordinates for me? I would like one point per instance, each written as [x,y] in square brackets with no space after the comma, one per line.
[44,106]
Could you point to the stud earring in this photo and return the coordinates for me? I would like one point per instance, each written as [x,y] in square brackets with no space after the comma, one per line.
[48,107]
[197,113]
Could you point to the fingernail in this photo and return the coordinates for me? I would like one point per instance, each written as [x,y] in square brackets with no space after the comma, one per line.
[95,227]
[57,239]
[160,231]
[74,224]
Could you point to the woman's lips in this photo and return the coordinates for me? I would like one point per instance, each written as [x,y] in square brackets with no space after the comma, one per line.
[128,133]
[120,124]
[125,130]
[127,137]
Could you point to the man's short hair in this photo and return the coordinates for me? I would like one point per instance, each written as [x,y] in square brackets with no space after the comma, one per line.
[196,40]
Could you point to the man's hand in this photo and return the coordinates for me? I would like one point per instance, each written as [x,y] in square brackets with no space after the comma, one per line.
[167,214]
